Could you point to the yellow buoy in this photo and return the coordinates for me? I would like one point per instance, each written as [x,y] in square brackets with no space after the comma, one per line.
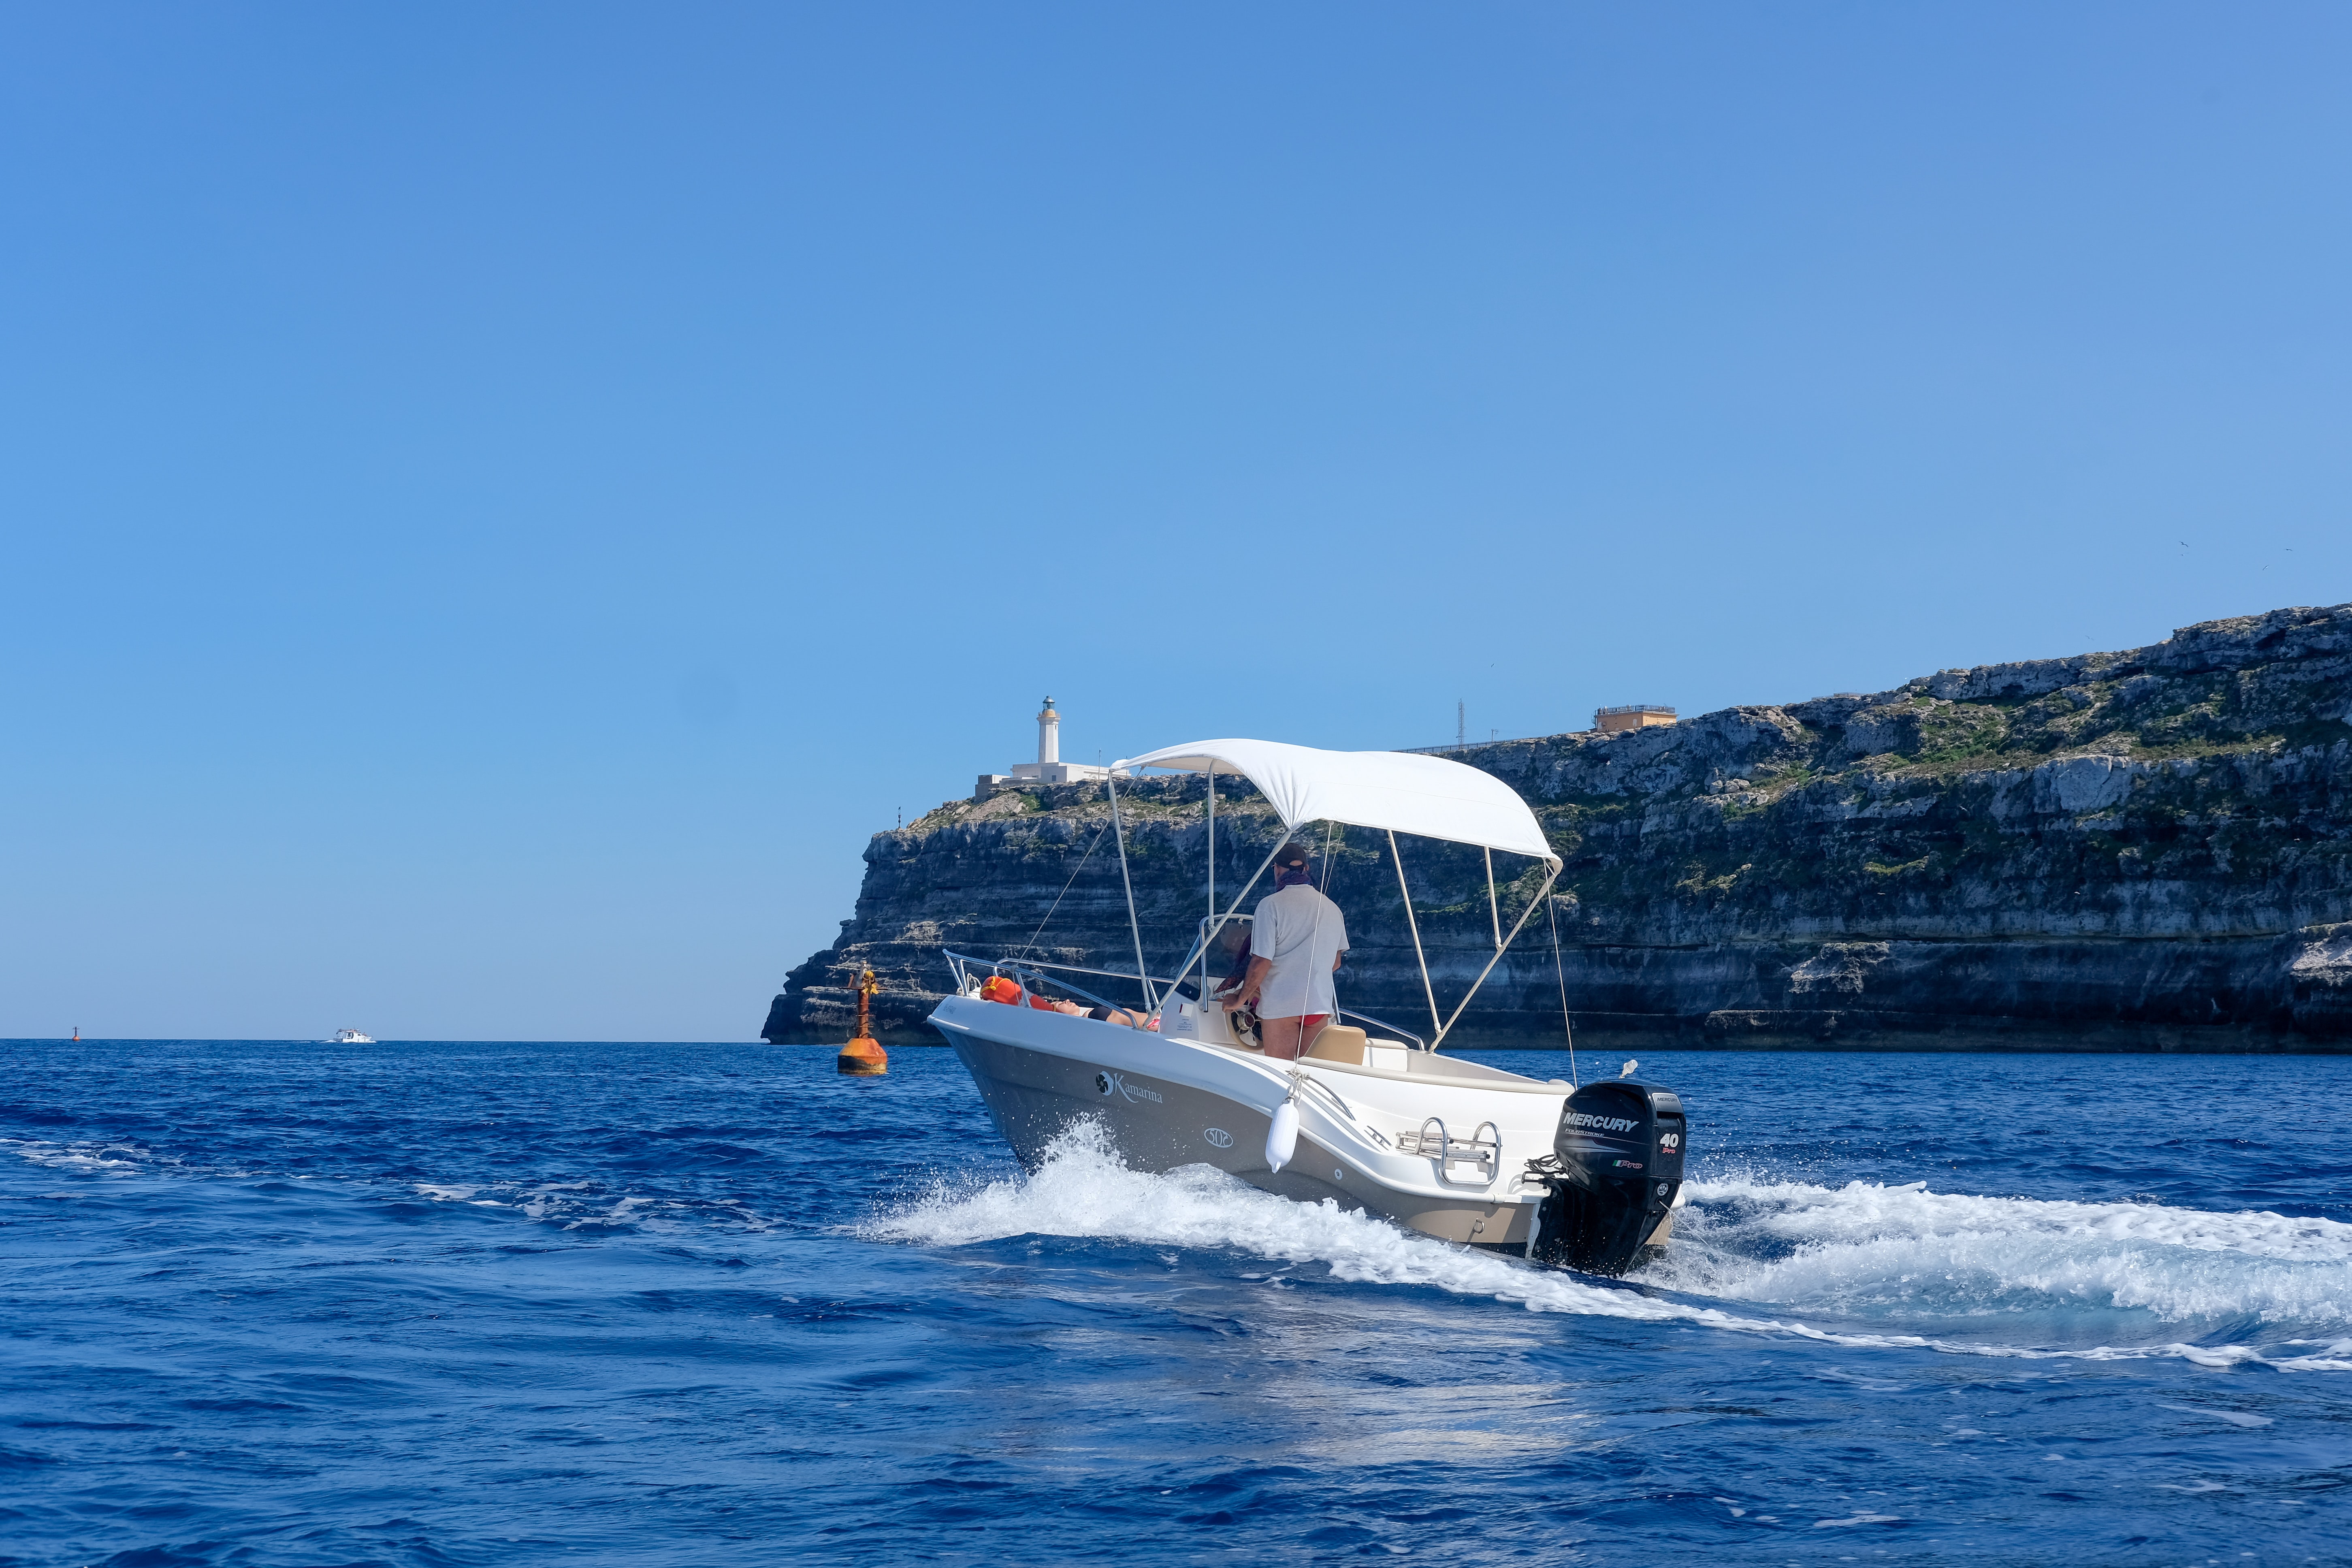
[864,1056]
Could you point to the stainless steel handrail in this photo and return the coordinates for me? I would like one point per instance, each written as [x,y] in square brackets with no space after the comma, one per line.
[957,960]
[1481,1152]
[1019,967]
[1347,1111]
[1418,1043]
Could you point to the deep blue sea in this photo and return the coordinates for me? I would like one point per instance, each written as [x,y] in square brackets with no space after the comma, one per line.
[283,1304]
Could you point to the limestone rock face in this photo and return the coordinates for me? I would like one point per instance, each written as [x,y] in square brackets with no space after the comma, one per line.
[2112,850]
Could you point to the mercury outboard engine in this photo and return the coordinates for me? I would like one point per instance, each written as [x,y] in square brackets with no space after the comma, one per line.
[1617,1166]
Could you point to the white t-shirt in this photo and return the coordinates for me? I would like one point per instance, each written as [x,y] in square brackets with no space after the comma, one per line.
[1302,934]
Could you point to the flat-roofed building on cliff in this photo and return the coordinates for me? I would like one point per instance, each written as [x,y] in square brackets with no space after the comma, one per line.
[1632,716]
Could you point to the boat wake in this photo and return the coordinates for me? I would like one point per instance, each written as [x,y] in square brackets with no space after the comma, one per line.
[589,1205]
[1864,1264]
[1869,1250]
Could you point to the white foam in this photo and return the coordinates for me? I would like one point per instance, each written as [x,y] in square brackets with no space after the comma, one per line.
[1837,1250]
[1869,1250]
[114,1158]
[572,1204]
[2234,1417]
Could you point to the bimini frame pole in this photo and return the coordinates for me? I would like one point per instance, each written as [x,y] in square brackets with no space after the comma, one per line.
[1427,989]
[1542,894]
[1201,951]
[1213,877]
[1142,975]
[1494,911]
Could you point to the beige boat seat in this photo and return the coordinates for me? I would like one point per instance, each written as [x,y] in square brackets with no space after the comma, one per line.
[1338,1043]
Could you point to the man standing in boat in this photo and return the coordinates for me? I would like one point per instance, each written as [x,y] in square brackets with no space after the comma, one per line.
[1296,939]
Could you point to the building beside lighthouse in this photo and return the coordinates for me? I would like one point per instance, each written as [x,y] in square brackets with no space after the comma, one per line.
[1632,716]
[1048,768]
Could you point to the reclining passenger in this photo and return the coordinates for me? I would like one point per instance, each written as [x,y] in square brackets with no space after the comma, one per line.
[997,988]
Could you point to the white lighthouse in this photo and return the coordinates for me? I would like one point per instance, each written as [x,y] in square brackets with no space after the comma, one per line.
[1048,768]
[1049,736]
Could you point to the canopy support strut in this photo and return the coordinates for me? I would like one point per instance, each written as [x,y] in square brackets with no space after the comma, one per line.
[1427,989]
[1212,879]
[1494,911]
[1542,895]
[1142,974]
[1202,951]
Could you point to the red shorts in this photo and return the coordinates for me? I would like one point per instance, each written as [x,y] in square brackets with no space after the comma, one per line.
[1311,1021]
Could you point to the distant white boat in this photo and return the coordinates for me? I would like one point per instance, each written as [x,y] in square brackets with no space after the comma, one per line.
[352,1038]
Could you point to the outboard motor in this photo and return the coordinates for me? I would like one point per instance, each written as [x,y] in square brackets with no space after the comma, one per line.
[1619,1158]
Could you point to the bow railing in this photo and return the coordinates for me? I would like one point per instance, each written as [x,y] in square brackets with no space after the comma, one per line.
[1030,972]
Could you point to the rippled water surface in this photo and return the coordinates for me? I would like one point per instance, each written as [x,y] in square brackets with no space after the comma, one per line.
[430,1304]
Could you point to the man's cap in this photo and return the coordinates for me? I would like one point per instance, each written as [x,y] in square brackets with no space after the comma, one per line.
[1290,855]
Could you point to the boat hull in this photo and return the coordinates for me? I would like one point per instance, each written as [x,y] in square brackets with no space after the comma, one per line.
[1165,1104]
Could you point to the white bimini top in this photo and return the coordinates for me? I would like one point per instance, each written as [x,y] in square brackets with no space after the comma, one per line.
[1403,792]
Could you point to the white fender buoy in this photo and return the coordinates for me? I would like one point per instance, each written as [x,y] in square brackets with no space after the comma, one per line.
[1282,1138]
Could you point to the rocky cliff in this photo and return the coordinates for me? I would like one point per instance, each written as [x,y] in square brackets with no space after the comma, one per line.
[2147,849]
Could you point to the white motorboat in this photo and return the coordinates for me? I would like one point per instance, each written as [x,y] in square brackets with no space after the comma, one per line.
[1373,1117]
[352,1038]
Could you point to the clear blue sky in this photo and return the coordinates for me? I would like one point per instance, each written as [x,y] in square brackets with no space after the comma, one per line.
[501,500]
